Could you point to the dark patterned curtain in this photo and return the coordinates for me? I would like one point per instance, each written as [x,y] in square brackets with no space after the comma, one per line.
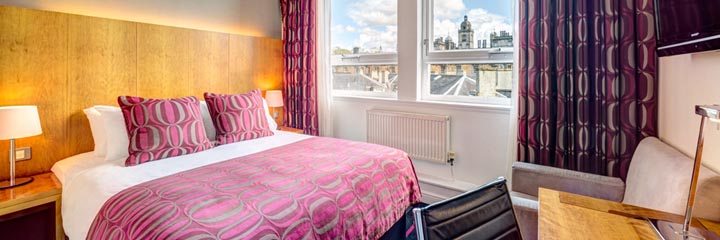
[300,89]
[587,85]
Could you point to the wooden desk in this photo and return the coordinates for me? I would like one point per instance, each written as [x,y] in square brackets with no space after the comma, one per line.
[712,226]
[569,216]
[557,220]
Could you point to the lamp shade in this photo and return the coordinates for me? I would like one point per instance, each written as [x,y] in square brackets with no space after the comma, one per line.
[274,98]
[19,122]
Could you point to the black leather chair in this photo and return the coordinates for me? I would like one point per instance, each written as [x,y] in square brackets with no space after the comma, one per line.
[483,213]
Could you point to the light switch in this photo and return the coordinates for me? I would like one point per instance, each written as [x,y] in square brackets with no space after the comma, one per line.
[22,154]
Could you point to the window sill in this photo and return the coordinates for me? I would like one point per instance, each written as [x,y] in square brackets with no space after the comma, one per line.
[426,103]
[376,98]
[466,104]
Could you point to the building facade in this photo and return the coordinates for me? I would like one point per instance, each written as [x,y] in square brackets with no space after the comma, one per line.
[503,39]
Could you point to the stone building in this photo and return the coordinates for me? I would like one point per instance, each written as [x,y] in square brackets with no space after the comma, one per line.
[466,35]
[503,39]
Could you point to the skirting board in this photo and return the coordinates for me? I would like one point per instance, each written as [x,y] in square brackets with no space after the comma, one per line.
[434,191]
[431,198]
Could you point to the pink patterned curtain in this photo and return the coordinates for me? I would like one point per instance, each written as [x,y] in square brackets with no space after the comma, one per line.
[587,85]
[299,62]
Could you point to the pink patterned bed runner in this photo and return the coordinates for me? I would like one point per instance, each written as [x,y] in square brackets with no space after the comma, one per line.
[318,188]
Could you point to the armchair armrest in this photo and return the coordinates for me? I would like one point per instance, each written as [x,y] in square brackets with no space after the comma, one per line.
[527,178]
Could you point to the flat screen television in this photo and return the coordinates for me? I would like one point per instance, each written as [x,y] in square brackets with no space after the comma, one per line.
[687,26]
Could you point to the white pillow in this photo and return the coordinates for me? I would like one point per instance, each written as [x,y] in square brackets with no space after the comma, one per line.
[271,121]
[115,132]
[207,121]
[97,127]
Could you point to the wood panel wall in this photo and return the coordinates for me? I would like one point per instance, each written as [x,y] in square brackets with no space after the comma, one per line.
[64,63]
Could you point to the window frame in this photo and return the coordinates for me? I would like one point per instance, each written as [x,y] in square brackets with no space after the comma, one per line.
[430,56]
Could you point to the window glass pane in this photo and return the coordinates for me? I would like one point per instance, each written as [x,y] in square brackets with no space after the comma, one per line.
[471,24]
[370,78]
[471,51]
[364,41]
[476,80]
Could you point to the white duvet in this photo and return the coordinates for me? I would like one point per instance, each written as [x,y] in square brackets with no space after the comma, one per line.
[89,181]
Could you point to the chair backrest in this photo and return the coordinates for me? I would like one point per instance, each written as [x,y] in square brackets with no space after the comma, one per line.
[483,213]
[659,178]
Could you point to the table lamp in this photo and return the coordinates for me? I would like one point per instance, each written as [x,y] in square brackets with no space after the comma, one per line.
[711,112]
[17,122]
[274,99]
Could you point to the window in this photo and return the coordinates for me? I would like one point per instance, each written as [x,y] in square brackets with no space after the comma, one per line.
[363,37]
[466,54]
[478,67]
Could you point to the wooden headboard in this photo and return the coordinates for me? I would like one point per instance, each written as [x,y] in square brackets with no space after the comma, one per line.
[64,63]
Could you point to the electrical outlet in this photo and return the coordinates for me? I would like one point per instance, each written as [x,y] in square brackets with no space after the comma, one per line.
[451,158]
[22,154]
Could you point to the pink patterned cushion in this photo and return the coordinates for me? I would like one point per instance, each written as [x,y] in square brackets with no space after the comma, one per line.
[238,117]
[162,128]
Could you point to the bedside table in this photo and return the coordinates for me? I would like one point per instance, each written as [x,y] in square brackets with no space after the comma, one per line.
[32,210]
[289,129]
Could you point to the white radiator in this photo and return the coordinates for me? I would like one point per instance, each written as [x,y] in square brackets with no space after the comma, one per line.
[422,136]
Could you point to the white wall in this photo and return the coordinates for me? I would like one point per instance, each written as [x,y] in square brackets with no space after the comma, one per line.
[685,81]
[479,136]
[246,17]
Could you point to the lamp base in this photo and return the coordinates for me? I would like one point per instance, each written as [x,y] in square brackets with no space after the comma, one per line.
[678,233]
[18,182]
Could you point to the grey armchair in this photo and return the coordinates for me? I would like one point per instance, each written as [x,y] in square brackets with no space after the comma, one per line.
[658,178]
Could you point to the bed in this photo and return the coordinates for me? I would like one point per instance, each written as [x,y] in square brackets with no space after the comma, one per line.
[286,186]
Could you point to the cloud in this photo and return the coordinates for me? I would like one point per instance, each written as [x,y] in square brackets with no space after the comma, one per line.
[338,28]
[448,9]
[374,12]
[374,23]
[441,28]
[371,38]
[483,23]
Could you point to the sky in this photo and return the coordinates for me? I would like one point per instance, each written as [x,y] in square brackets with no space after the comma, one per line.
[370,24]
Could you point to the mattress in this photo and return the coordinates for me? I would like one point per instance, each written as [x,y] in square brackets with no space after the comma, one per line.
[89,181]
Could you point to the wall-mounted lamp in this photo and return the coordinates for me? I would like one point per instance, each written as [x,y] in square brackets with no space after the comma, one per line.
[18,122]
[274,99]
